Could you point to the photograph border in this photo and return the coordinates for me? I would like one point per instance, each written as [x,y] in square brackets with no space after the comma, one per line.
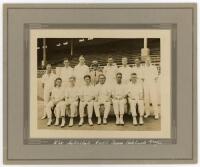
[171,27]
[7,87]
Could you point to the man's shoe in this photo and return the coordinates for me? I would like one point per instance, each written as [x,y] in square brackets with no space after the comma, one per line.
[71,122]
[117,121]
[49,122]
[104,121]
[57,122]
[121,121]
[134,121]
[141,122]
[63,123]
[81,122]
[156,116]
[146,115]
[90,122]
[99,121]
[43,117]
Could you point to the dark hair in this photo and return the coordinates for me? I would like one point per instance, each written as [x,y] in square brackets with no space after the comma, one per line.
[119,73]
[48,65]
[137,59]
[102,75]
[65,59]
[87,76]
[56,80]
[81,56]
[72,77]
[133,73]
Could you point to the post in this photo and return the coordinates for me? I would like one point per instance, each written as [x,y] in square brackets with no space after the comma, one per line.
[145,52]
[44,61]
[71,51]
[145,42]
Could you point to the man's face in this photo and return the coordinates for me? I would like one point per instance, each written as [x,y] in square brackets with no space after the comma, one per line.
[48,69]
[124,61]
[81,60]
[71,81]
[133,78]
[137,62]
[119,78]
[87,80]
[66,63]
[110,61]
[58,82]
[102,79]
[95,67]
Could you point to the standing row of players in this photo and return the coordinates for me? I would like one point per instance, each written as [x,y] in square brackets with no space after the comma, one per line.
[81,87]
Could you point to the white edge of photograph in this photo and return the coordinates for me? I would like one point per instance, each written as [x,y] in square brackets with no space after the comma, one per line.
[118,129]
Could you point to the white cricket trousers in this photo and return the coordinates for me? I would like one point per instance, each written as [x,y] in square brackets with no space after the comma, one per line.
[119,106]
[150,94]
[73,108]
[90,106]
[97,107]
[133,107]
[59,110]
[46,96]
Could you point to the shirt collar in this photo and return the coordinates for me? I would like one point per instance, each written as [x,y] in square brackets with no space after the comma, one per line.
[113,64]
[81,65]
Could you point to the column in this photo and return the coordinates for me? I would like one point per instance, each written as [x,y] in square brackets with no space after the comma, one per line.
[145,51]
[71,49]
[44,61]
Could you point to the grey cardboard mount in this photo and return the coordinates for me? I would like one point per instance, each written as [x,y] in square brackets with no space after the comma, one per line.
[182,18]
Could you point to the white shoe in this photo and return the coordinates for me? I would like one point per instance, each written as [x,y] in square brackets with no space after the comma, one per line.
[156,116]
[90,121]
[63,123]
[117,121]
[43,117]
[49,122]
[141,122]
[146,115]
[134,121]
[121,121]
[81,122]
[104,121]
[71,122]
[99,121]
[57,122]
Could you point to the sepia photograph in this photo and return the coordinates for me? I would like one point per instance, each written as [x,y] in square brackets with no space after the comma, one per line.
[105,85]
[99,83]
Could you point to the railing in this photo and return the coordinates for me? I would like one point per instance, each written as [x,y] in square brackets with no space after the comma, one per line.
[42,72]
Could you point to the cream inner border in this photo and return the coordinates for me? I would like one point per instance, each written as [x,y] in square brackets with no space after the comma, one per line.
[165,46]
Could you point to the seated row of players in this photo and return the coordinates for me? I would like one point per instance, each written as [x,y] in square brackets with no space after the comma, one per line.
[146,77]
[93,97]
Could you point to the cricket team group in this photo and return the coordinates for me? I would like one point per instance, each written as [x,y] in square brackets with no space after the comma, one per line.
[81,90]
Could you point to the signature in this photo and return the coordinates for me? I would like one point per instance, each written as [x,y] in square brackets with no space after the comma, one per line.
[99,142]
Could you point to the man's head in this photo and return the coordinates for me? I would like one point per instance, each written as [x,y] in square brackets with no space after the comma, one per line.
[133,77]
[81,60]
[58,82]
[148,61]
[124,61]
[119,77]
[87,79]
[48,68]
[66,62]
[110,60]
[95,65]
[137,62]
[102,79]
[72,80]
